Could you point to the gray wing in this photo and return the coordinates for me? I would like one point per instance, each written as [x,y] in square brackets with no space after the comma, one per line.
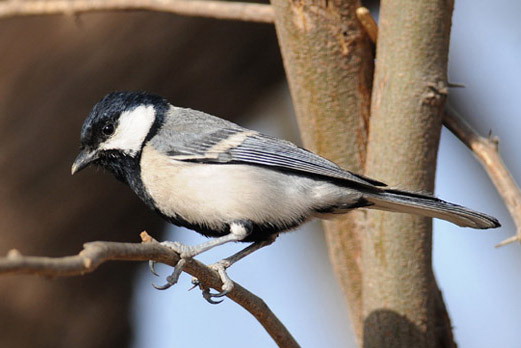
[240,145]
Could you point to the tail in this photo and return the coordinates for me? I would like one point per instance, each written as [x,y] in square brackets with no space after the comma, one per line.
[419,204]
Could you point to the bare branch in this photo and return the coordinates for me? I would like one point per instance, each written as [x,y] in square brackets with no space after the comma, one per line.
[486,151]
[213,9]
[368,22]
[96,253]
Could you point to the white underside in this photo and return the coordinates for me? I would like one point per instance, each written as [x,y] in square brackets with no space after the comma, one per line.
[211,194]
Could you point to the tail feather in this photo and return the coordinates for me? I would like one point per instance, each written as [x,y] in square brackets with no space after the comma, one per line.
[419,204]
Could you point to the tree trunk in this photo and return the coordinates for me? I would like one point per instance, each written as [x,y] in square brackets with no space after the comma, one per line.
[329,65]
[401,302]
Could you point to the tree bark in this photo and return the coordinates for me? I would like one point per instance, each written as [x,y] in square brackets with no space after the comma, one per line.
[329,64]
[402,305]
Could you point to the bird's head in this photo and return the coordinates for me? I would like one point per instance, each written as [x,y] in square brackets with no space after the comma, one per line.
[118,126]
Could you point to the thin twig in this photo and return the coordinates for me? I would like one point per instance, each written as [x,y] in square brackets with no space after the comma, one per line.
[213,9]
[486,151]
[368,22]
[96,253]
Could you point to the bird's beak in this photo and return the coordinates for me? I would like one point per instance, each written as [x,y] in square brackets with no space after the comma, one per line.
[84,158]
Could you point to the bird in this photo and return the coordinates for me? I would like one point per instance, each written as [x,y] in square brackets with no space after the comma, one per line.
[231,183]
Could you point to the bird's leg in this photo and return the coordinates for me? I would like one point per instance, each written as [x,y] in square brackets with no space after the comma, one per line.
[221,266]
[238,231]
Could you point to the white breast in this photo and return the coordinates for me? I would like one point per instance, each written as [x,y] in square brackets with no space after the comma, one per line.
[215,193]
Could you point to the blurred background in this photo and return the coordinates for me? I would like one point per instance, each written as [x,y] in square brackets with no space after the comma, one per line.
[53,69]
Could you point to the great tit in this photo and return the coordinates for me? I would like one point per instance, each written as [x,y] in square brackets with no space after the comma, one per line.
[228,182]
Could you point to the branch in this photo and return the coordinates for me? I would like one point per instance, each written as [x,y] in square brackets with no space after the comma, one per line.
[366,19]
[213,9]
[409,93]
[486,151]
[96,253]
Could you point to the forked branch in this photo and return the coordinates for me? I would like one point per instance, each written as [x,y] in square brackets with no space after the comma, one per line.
[96,253]
[485,149]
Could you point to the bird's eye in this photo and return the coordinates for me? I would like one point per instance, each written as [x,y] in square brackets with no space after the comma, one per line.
[108,129]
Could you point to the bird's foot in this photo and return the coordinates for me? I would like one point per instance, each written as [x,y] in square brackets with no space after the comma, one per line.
[185,252]
[238,232]
[220,267]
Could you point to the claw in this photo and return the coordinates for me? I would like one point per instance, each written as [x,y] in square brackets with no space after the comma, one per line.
[226,287]
[219,294]
[208,297]
[152,267]
[162,287]
[224,292]
[174,277]
[219,267]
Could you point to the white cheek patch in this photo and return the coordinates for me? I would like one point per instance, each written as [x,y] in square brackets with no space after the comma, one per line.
[131,131]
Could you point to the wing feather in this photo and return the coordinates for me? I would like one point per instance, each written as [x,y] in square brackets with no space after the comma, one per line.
[239,145]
